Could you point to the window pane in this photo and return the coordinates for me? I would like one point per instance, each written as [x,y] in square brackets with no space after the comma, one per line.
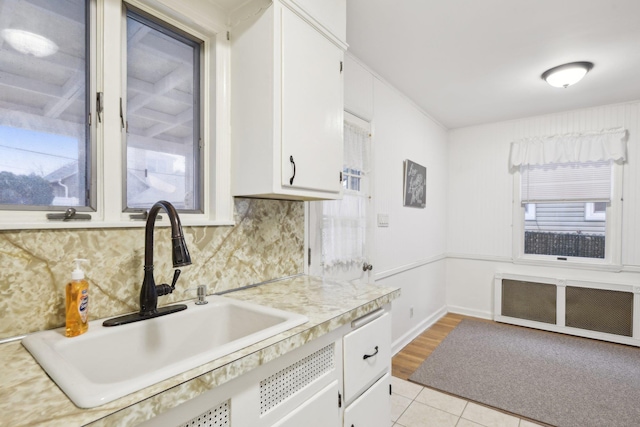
[561,229]
[44,136]
[163,116]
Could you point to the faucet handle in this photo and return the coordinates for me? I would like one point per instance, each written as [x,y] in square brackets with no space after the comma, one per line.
[165,289]
[176,274]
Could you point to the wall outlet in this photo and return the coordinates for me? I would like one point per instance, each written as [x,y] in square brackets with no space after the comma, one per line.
[410,312]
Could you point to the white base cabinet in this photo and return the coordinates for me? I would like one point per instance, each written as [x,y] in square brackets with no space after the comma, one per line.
[306,387]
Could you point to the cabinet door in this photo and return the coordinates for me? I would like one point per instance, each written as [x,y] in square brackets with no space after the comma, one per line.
[312,107]
[373,408]
[319,411]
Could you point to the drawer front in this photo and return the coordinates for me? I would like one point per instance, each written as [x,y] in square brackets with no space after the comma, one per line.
[373,408]
[319,411]
[367,355]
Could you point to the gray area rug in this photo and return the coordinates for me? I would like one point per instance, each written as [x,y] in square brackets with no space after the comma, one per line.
[556,379]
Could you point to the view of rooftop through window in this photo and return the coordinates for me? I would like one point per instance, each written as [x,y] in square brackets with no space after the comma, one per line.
[44,137]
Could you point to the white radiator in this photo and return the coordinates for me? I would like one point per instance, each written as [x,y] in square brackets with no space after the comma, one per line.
[604,311]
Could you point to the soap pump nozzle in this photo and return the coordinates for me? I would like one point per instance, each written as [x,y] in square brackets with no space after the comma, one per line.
[78,274]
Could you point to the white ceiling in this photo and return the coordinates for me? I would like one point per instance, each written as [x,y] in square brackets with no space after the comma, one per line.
[468,62]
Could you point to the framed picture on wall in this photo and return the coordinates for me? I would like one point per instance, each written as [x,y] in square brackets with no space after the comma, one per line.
[415,185]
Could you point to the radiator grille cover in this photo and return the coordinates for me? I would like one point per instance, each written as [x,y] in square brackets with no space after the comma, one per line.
[215,417]
[600,310]
[529,300]
[287,382]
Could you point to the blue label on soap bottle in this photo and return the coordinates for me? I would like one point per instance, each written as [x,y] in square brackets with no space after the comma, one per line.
[83,306]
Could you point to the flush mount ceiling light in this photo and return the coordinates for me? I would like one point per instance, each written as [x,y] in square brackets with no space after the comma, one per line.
[29,43]
[567,74]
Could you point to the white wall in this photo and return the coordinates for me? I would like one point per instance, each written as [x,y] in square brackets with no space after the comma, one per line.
[409,254]
[479,238]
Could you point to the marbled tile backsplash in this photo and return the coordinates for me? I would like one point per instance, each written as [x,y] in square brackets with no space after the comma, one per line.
[266,243]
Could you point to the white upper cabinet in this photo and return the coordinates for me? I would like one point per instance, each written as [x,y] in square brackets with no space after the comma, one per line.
[286,104]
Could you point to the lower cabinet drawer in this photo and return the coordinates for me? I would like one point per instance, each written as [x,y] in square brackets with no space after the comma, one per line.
[373,408]
[367,355]
[319,411]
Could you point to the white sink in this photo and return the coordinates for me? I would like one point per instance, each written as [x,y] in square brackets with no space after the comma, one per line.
[107,363]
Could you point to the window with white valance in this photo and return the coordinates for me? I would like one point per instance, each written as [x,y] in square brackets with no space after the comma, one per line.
[606,145]
[560,181]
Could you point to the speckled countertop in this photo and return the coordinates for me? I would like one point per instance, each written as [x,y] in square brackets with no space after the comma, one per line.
[29,398]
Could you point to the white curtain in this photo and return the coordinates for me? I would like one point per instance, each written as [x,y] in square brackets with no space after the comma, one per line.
[605,145]
[356,148]
[344,222]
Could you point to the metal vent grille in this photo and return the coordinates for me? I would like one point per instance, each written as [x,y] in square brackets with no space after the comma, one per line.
[600,310]
[283,384]
[529,300]
[214,417]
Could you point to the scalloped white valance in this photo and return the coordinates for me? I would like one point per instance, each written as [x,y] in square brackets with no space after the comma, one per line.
[605,145]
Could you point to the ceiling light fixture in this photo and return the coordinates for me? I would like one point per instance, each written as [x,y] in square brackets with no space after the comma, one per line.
[567,74]
[29,43]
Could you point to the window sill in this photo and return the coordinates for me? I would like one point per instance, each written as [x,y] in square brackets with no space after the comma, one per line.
[81,224]
[582,265]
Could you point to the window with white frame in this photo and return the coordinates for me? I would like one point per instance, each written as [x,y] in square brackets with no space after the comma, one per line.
[46,145]
[75,86]
[568,209]
[163,115]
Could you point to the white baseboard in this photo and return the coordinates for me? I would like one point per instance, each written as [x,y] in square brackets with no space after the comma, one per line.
[470,312]
[410,335]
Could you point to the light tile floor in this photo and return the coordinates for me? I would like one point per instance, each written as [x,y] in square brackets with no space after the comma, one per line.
[415,406]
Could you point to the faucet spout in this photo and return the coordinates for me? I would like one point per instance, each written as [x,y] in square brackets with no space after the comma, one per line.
[149,291]
[180,254]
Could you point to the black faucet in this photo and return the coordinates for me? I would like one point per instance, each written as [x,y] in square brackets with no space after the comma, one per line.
[150,291]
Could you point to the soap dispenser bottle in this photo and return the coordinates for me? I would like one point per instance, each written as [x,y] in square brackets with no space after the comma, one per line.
[77,302]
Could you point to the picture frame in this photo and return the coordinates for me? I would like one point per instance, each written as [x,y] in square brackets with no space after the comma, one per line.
[415,185]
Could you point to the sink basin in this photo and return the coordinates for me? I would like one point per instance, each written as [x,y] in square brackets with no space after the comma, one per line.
[107,363]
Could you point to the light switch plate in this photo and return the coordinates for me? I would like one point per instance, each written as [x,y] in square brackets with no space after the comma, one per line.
[383,220]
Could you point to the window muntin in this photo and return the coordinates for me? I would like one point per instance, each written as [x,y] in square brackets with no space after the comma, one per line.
[45,137]
[351,179]
[163,116]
